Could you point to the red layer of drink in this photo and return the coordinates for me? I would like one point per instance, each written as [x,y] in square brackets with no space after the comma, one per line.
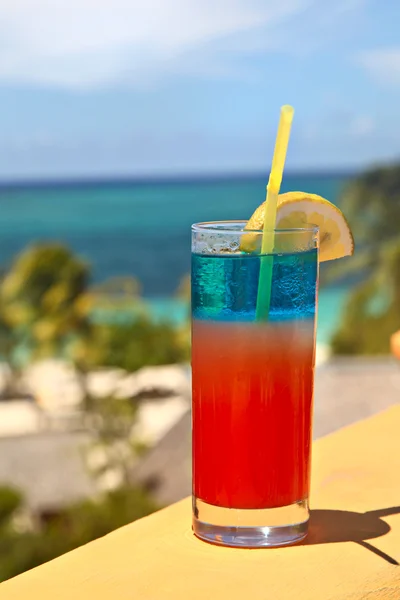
[252,406]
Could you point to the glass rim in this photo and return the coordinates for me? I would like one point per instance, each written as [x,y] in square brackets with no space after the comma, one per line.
[216,226]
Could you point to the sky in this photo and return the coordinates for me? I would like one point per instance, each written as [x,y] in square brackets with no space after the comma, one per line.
[104,88]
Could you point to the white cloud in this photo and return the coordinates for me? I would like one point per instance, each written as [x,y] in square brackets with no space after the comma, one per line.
[89,43]
[383,64]
[83,43]
[362,125]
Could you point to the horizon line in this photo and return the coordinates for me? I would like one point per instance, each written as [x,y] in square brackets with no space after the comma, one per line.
[198,177]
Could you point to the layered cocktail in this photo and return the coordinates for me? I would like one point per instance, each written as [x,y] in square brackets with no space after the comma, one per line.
[252,386]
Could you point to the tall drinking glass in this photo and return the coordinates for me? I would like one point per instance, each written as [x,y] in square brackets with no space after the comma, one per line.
[252,386]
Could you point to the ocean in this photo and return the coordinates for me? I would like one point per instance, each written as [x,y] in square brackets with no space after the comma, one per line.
[142,228]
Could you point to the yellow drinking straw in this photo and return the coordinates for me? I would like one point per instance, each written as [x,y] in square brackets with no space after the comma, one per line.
[273,187]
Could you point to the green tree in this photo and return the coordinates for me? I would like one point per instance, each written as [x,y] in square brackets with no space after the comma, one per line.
[134,345]
[372,312]
[10,502]
[371,202]
[45,305]
[47,308]
[44,298]
[73,527]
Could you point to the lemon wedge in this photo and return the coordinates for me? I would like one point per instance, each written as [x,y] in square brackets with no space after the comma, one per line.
[300,209]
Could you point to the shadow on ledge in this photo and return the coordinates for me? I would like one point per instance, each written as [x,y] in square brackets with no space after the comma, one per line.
[329,526]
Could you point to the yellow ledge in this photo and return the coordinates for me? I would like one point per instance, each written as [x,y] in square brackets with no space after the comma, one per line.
[351,553]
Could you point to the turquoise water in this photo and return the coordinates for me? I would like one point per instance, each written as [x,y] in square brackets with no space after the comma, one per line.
[224,288]
[142,228]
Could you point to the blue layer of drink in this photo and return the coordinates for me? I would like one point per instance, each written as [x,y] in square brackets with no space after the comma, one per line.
[224,286]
